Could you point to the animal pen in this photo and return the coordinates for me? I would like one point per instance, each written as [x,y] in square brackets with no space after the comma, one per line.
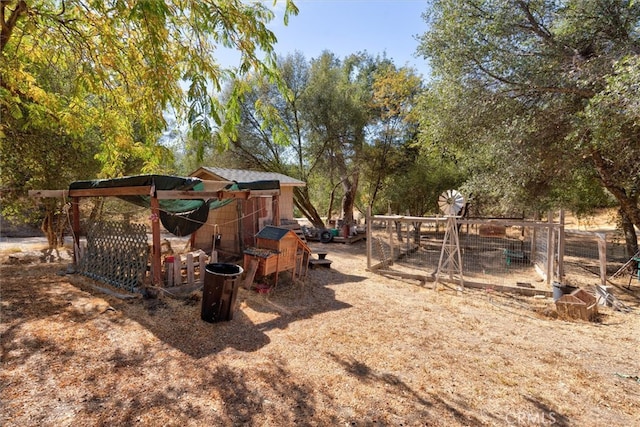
[503,254]
[118,253]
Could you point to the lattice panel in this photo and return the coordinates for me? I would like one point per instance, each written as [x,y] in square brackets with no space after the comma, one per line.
[117,254]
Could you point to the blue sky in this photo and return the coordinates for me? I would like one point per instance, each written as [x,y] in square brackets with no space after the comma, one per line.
[349,26]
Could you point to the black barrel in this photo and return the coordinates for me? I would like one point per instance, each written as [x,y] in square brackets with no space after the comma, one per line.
[220,291]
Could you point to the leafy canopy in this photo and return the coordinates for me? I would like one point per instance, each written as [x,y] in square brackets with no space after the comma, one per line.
[123,64]
[533,97]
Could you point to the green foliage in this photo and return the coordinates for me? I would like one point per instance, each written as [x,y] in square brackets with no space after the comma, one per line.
[345,127]
[122,65]
[419,184]
[392,134]
[532,98]
[101,75]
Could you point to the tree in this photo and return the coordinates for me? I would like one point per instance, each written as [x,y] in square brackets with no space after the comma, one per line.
[314,129]
[336,111]
[522,93]
[393,130]
[419,184]
[102,75]
[270,132]
[132,58]
[130,62]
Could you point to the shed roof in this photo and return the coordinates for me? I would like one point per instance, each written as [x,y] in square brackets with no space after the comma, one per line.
[273,233]
[243,175]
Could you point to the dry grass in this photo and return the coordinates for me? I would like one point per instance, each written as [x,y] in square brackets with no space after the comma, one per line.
[346,347]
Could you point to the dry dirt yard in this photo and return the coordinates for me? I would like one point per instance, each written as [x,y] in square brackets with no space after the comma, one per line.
[346,347]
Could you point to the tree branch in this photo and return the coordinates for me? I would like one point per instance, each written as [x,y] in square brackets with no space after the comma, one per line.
[523,87]
[9,24]
[627,204]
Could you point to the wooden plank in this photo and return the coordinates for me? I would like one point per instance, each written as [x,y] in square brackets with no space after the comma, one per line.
[187,194]
[251,273]
[146,190]
[177,271]
[114,191]
[49,193]
[202,260]
[156,267]
[421,278]
[191,273]
[506,289]
[169,273]
[506,222]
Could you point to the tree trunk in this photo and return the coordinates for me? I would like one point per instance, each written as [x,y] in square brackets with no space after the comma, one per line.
[629,209]
[303,202]
[630,236]
[350,188]
[96,210]
[9,23]
[332,198]
[53,225]
[399,231]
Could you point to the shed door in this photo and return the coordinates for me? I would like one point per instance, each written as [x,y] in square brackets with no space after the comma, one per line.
[253,210]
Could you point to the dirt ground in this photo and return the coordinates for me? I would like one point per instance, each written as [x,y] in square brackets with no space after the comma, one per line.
[343,347]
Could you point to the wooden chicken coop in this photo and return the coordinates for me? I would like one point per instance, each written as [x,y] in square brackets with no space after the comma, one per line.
[277,249]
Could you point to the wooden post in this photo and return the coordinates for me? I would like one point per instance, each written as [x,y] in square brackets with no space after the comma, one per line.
[408,233]
[191,272]
[369,238]
[156,267]
[240,215]
[275,208]
[561,247]
[602,257]
[75,210]
[550,249]
[534,236]
[252,268]
[168,271]
[177,270]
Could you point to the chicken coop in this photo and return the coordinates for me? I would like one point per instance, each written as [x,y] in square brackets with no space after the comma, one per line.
[277,249]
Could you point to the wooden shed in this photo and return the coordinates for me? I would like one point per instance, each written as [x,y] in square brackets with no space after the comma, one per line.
[277,249]
[237,224]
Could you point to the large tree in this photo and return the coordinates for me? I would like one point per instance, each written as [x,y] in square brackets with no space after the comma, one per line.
[270,133]
[537,97]
[393,130]
[130,60]
[101,76]
[314,128]
[337,112]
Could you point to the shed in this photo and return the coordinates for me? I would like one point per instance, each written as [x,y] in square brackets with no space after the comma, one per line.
[234,227]
[278,249]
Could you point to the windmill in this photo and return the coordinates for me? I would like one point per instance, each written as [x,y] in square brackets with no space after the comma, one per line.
[450,203]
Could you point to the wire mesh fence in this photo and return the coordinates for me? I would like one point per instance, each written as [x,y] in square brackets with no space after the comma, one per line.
[514,253]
